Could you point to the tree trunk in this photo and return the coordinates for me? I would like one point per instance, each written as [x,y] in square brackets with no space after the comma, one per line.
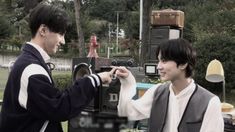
[81,44]
[145,32]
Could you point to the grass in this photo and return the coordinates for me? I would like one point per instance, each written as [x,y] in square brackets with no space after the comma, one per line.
[3,77]
[1,94]
[65,126]
[61,72]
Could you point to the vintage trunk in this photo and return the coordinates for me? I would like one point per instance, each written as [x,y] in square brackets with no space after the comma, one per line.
[167,17]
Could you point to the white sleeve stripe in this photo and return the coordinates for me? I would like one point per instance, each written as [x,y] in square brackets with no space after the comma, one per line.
[30,70]
[44,126]
[96,79]
[92,80]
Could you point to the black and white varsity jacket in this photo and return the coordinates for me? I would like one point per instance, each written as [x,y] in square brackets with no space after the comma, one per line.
[31,102]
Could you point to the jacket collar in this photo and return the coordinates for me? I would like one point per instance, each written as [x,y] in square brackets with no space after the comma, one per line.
[43,53]
[33,51]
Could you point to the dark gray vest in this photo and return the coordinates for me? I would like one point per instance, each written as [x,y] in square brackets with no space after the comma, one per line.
[192,117]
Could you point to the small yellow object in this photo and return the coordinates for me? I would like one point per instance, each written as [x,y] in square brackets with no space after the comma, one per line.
[226,107]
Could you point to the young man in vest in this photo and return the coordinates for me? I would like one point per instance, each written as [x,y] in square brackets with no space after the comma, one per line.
[179,104]
[31,102]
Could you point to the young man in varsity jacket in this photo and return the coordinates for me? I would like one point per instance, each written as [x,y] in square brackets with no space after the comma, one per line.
[31,102]
[179,104]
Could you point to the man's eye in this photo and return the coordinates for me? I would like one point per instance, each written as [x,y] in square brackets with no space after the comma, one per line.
[61,34]
[163,60]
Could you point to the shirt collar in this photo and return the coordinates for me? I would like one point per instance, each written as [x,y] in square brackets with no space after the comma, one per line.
[186,91]
[44,55]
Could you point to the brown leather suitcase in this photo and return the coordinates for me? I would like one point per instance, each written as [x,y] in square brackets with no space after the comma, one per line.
[167,17]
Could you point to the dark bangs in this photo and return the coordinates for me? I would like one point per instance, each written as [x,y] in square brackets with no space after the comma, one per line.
[180,51]
[53,17]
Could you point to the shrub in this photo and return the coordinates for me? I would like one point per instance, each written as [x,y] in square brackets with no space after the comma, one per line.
[62,81]
[220,47]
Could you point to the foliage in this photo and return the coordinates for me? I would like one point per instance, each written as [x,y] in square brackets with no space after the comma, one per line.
[155,80]
[15,28]
[6,31]
[5,28]
[96,15]
[62,81]
[132,46]
[220,47]
[105,9]
[210,28]
[131,26]
[16,41]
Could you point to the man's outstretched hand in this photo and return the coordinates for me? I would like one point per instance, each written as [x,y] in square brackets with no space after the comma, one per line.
[107,77]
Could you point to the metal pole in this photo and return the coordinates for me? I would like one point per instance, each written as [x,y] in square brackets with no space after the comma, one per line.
[108,53]
[141,27]
[141,19]
[109,48]
[109,34]
[224,98]
[109,45]
[117,32]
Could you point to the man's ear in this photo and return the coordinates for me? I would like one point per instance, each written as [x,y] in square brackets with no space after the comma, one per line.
[183,66]
[42,30]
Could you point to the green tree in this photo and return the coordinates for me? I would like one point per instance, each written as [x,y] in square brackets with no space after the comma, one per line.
[5,25]
[5,28]
[220,47]
[210,27]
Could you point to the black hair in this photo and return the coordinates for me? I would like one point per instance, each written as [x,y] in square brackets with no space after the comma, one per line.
[53,17]
[179,51]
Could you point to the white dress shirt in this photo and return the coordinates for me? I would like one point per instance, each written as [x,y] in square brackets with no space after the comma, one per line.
[44,55]
[141,108]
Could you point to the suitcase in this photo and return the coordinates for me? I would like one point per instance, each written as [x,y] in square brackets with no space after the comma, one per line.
[167,17]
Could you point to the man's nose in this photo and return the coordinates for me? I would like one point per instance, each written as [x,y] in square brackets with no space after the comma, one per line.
[62,40]
[159,66]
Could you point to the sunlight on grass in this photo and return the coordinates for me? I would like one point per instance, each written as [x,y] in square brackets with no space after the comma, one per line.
[65,126]
[54,72]
[1,94]
[3,77]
